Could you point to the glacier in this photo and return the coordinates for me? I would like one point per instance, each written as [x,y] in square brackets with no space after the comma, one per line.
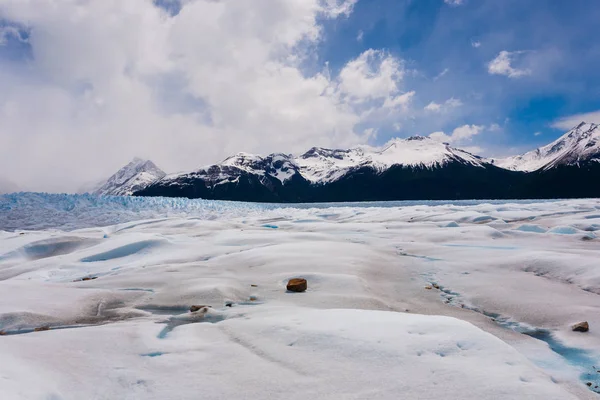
[417,300]
[35,211]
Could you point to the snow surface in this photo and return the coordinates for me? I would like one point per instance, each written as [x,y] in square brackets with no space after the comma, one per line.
[582,143]
[367,328]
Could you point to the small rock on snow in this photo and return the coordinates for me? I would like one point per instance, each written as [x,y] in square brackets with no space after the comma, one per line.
[297,285]
[581,327]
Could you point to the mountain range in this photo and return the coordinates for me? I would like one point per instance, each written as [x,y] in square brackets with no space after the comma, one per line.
[416,168]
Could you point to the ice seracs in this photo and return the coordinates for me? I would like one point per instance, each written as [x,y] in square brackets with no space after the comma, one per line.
[581,144]
[135,176]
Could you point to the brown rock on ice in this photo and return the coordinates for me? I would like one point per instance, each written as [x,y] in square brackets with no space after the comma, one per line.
[297,285]
[581,327]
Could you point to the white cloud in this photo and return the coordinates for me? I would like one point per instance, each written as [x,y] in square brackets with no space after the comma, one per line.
[441,74]
[475,43]
[459,135]
[433,106]
[454,2]
[360,35]
[465,132]
[501,65]
[373,75]
[537,133]
[448,104]
[494,128]
[571,121]
[113,79]
[439,136]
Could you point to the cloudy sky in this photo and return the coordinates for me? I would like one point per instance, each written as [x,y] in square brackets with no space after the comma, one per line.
[86,85]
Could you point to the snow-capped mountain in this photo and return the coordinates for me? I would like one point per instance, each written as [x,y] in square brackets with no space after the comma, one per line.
[321,165]
[580,145]
[313,175]
[135,176]
[403,169]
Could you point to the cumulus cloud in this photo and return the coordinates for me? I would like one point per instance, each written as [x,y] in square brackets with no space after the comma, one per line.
[571,121]
[475,43]
[108,80]
[373,75]
[448,104]
[502,65]
[459,135]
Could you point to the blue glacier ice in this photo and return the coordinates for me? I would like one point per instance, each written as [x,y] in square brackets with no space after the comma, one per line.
[36,211]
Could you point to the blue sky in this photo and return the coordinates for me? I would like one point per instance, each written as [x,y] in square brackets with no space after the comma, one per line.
[188,82]
[558,39]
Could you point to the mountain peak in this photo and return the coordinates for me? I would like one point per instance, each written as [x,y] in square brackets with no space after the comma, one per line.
[416,137]
[134,176]
[580,144]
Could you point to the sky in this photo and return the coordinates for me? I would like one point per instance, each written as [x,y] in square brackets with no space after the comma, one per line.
[86,85]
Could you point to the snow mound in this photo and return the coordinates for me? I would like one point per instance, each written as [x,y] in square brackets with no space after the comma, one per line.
[322,354]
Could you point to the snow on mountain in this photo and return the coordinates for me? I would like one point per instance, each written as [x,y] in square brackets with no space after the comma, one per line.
[321,165]
[279,166]
[282,177]
[580,144]
[133,177]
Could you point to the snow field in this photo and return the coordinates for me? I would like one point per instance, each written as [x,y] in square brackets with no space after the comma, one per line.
[366,328]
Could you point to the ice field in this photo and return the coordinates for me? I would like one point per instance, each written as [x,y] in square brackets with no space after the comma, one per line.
[405,300]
